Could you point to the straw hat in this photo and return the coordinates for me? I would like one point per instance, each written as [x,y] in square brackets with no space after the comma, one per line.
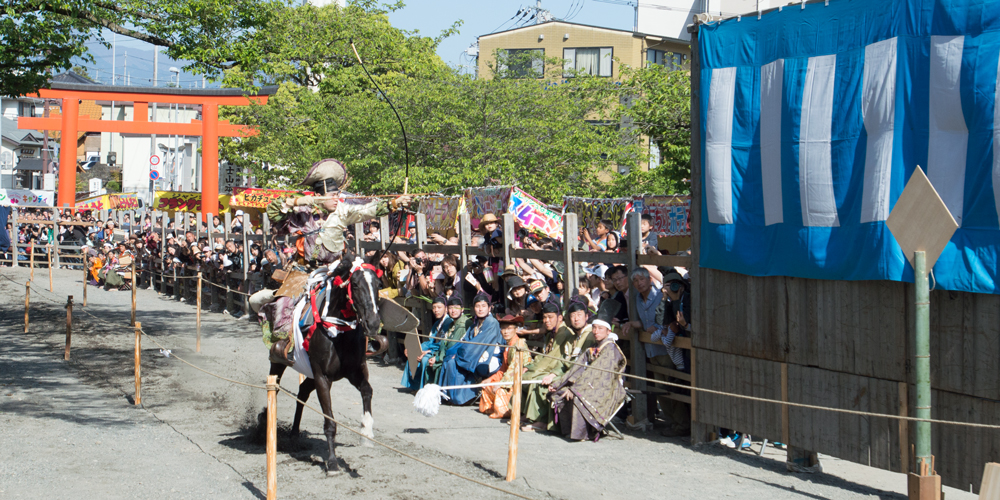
[487,219]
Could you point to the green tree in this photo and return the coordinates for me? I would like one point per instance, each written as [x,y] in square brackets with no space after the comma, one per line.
[39,37]
[661,111]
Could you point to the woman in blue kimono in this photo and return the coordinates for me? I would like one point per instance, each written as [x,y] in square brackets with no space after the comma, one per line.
[430,347]
[466,364]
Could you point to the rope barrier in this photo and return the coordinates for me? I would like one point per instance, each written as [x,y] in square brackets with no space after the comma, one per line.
[723,393]
[282,389]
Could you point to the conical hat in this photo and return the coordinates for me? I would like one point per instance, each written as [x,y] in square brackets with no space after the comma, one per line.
[324,170]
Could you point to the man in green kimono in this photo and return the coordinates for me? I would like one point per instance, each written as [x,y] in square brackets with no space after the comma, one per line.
[567,346]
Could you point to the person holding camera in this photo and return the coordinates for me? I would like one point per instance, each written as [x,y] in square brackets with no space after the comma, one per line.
[418,281]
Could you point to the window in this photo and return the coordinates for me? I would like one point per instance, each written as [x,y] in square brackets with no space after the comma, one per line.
[669,59]
[591,61]
[521,63]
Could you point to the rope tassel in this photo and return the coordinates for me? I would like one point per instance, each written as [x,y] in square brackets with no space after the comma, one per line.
[428,399]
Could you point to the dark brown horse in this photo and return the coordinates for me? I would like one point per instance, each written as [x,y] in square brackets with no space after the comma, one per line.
[335,353]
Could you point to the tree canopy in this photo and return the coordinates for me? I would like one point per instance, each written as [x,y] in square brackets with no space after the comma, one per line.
[39,37]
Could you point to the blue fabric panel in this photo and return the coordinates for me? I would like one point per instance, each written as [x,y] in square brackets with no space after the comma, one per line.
[854,251]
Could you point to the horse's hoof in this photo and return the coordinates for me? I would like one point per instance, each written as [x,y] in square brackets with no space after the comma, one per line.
[367,443]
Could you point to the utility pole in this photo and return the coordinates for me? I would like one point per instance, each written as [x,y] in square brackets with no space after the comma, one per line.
[152,139]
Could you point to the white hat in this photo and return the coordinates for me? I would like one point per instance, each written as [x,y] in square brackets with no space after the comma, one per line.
[108,245]
[206,249]
[171,235]
[239,213]
[218,246]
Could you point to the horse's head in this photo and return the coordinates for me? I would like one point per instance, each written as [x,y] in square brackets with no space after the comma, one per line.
[362,281]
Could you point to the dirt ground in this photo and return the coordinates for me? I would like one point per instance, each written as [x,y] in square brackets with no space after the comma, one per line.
[71,430]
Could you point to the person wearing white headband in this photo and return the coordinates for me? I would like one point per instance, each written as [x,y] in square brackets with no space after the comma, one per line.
[584,399]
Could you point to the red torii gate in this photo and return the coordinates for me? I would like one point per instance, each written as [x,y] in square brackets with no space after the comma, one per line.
[70,124]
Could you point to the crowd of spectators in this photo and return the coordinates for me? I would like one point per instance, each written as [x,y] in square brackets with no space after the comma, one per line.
[484,299]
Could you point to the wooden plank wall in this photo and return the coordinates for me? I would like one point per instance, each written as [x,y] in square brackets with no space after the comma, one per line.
[846,345]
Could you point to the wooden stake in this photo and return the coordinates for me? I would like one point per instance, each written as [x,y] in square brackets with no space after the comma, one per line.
[69,326]
[31,261]
[27,301]
[197,343]
[49,258]
[272,437]
[515,418]
[86,277]
[138,363]
[133,291]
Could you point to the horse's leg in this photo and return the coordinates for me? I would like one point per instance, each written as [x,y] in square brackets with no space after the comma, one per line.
[329,426]
[305,389]
[360,381]
[277,369]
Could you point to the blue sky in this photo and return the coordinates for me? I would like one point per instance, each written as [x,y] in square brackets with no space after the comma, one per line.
[430,17]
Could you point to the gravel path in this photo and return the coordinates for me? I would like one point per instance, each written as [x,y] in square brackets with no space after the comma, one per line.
[70,430]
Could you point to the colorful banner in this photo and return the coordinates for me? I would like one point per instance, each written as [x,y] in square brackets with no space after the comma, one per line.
[441,211]
[185,202]
[257,197]
[670,214]
[487,200]
[93,203]
[124,201]
[26,198]
[534,216]
[590,211]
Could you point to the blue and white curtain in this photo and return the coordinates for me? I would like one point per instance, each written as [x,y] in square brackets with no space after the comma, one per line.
[813,119]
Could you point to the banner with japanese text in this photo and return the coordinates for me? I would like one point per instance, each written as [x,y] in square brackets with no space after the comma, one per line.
[94,203]
[441,211]
[670,214]
[185,202]
[26,198]
[123,201]
[534,216]
[257,197]
[487,200]
[590,211]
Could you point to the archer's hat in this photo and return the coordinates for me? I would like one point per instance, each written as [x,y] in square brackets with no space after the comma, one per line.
[326,176]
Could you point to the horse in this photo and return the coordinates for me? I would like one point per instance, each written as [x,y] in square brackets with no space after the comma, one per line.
[354,292]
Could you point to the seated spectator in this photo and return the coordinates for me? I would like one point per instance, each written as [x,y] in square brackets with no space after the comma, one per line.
[650,239]
[616,279]
[584,292]
[418,281]
[455,332]
[449,280]
[468,363]
[567,345]
[673,318]
[518,297]
[391,268]
[600,243]
[429,348]
[585,399]
[495,401]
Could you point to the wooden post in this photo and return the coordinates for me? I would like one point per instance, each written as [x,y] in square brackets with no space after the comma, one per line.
[69,326]
[197,342]
[384,235]
[245,285]
[48,256]
[272,437]
[784,408]
[138,363]
[464,240]
[86,277]
[640,403]
[133,290]
[56,216]
[570,238]
[27,301]
[14,262]
[421,230]
[904,429]
[31,259]
[359,233]
[515,417]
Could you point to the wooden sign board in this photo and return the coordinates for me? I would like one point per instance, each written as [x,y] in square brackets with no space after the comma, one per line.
[412,344]
[920,220]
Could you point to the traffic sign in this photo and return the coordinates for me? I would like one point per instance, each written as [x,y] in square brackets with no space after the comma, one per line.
[154,160]
[153,175]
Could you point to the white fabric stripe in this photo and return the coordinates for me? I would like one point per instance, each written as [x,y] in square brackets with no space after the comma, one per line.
[948,136]
[996,142]
[819,207]
[719,146]
[878,109]
[771,83]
